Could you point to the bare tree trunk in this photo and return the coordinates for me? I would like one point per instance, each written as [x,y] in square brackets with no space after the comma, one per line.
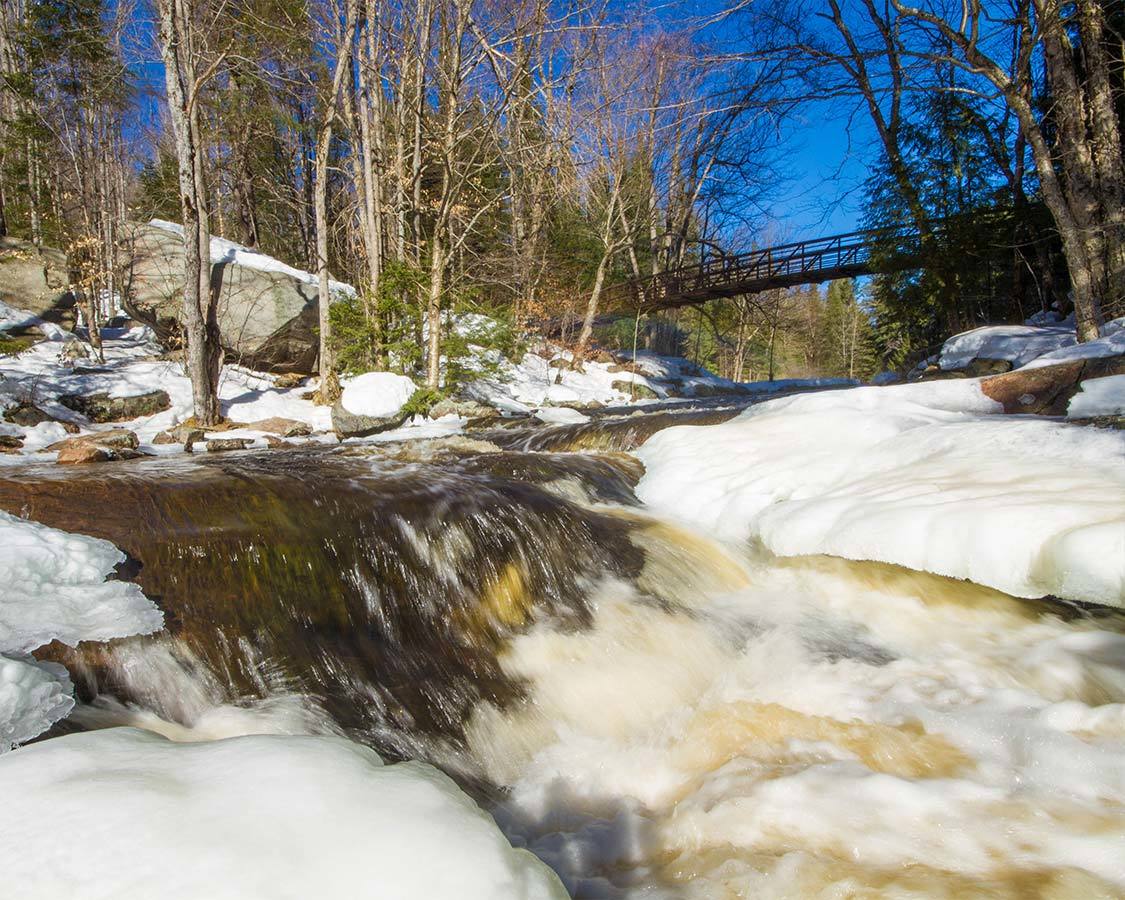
[200,323]
[329,387]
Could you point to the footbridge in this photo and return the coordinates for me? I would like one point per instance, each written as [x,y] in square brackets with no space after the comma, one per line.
[784,265]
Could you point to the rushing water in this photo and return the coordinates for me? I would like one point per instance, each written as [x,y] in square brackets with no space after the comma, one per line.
[653,713]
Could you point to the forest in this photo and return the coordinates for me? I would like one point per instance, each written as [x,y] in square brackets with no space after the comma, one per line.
[528,160]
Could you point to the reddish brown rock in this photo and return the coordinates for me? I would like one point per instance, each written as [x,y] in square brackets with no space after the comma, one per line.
[114,439]
[83,452]
[1047,390]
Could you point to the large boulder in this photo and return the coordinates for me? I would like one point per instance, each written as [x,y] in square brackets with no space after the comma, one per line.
[267,310]
[34,280]
[1046,390]
[371,403]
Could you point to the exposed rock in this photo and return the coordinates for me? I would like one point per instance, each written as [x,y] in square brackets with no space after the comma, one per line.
[983,366]
[278,425]
[1115,422]
[116,439]
[10,443]
[466,409]
[937,373]
[618,368]
[706,389]
[26,414]
[104,408]
[348,424]
[1047,390]
[165,437]
[219,445]
[29,415]
[636,389]
[274,442]
[289,380]
[35,279]
[267,319]
[83,453]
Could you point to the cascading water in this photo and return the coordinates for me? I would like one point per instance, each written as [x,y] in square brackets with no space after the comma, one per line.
[651,712]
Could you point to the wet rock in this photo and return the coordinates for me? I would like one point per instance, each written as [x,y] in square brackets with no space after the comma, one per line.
[10,443]
[116,439]
[221,445]
[348,424]
[706,389]
[636,389]
[104,408]
[278,425]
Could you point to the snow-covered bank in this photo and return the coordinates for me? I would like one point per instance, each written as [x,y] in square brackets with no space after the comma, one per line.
[1030,345]
[250,817]
[55,588]
[918,475]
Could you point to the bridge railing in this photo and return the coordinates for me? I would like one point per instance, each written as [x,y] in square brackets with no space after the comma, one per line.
[726,274]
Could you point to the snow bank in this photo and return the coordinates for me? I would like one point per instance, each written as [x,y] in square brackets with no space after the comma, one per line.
[1099,397]
[1111,343]
[12,318]
[248,817]
[55,589]
[1031,345]
[913,475]
[1019,344]
[129,369]
[224,251]
[377,394]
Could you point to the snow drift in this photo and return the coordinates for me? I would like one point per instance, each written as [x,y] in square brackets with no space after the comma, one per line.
[916,475]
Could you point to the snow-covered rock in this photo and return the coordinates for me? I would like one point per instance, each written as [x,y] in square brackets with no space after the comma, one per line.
[261,816]
[1099,397]
[1019,344]
[1030,345]
[267,309]
[371,404]
[55,588]
[918,475]
[377,394]
[561,415]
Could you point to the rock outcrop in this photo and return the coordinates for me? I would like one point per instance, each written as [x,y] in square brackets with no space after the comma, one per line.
[267,316]
[1047,390]
[104,408]
[35,280]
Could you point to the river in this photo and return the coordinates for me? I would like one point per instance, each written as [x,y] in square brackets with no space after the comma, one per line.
[651,711]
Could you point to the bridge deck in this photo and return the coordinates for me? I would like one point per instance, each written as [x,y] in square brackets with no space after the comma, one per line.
[785,265]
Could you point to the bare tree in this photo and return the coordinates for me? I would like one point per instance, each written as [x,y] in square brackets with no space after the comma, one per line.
[329,388]
[1081,174]
[180,31]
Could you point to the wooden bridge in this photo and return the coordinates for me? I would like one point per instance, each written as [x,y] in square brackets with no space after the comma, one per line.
[784,265]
